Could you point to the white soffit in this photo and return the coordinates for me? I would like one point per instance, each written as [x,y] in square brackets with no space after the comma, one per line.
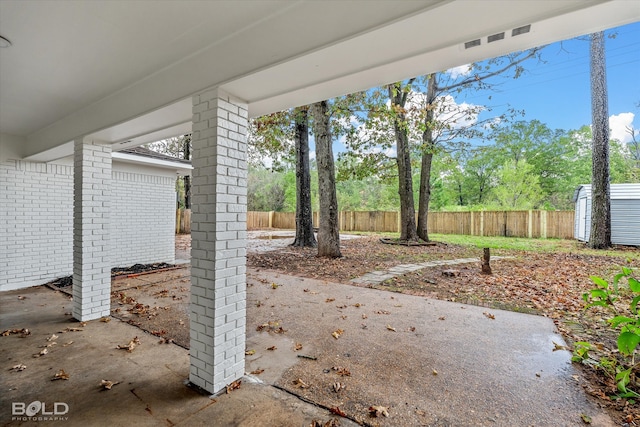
[387,42]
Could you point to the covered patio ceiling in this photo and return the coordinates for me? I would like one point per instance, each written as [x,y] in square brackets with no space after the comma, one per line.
[123,72]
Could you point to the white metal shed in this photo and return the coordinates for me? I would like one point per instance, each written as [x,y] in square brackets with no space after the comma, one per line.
[625,214]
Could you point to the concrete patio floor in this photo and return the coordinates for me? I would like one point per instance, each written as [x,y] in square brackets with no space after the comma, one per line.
[429,362]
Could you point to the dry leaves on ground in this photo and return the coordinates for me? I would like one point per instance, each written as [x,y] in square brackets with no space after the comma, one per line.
[234,386]
[376,411]
[129,346]
[106,385]
[60,375]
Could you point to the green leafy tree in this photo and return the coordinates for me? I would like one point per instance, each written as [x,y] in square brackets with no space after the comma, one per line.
[518,186]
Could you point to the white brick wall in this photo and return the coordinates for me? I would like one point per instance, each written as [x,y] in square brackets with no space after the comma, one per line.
[218,229]
[36,220]
[36,230]
[143,211]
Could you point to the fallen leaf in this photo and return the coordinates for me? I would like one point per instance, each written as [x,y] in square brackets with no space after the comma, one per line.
[489,315]
[357,305]
[301,384]
[22,297]
[557,346]
[390,328]
[274,286]
[337,333]
[364,316]
[42,353]
[586,418]
[130,346]
[337,411]
[105,319]
[23,331]
[297,347]
[412,328]
[82,324]
[441,318]
[434,372]
[421,413]
[273,347]
[60,375]
[333,422]
[106,385]
[330,300]
[343,372]
[383,312]
[71,330]
[233,386]
[249,352]
[18,368]
[376,411]
[52,337]
[338,386]
[67,344]
[257,372]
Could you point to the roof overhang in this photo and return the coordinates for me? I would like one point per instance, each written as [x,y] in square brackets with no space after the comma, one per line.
[338,48]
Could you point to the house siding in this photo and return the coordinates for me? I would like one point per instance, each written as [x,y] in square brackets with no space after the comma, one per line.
[36,231]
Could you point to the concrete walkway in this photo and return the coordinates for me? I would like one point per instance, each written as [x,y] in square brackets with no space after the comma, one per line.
[377,277]
[428,362]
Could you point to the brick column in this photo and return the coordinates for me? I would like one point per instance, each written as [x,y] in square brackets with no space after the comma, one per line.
[218,232]
[91,264]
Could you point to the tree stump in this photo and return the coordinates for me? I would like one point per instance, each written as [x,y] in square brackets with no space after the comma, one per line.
[486,267]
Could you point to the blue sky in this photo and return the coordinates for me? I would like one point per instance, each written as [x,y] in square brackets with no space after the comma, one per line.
[557,92]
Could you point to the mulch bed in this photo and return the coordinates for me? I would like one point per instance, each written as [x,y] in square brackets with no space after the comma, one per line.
[64,282]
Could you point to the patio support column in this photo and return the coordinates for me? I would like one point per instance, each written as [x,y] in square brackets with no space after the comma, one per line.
[218,232]
[91,207]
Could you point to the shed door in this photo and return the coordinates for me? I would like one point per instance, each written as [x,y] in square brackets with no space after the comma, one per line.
[582,218]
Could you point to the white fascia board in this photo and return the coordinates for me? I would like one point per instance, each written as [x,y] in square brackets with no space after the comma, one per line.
[180,168]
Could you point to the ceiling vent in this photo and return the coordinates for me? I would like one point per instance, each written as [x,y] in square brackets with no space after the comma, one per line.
[495,37]
[520,30]
[472,43]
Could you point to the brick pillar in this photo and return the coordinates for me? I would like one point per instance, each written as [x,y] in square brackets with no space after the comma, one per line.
[218,232]
[91,264]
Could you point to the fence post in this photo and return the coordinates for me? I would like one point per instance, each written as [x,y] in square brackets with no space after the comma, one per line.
[482,223]
[472,228]
[530,224]
[543,224]
[270,219]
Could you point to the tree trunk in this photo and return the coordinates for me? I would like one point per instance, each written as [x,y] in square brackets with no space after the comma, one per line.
[405,180]
[329,231]
[600,202]
[304,214]
[187,178]
[428,147]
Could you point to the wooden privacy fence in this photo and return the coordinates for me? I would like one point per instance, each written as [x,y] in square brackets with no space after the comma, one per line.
[183,221]
[532,224]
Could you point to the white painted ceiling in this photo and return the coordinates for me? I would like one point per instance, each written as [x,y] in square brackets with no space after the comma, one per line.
[125,70]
